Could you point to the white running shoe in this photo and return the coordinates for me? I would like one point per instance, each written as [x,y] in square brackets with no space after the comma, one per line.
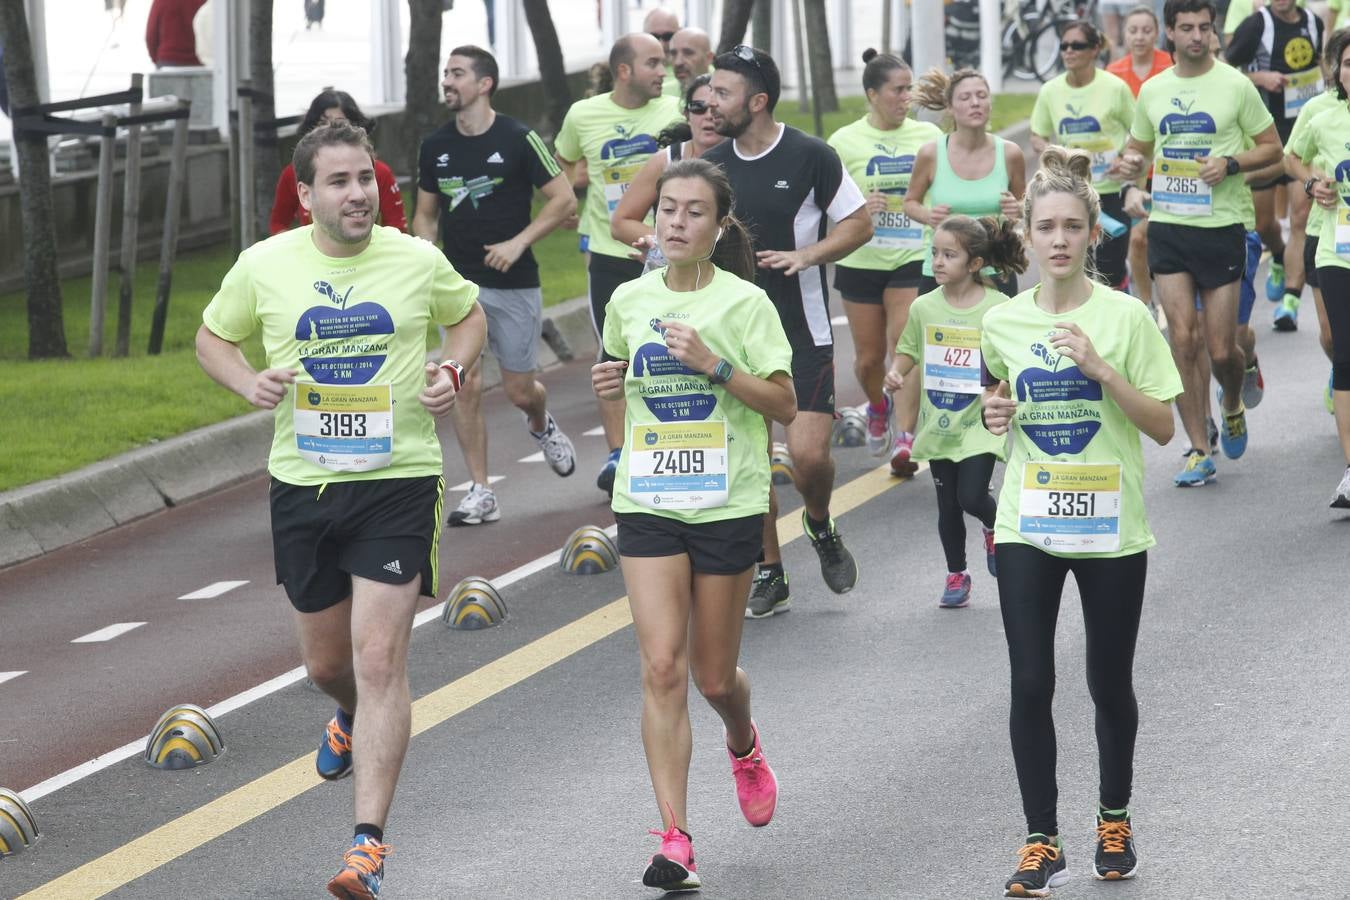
[478,506]
[557,447]
[1342,498]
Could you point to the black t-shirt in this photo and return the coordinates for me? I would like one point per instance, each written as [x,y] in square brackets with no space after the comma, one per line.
[1295,47]
[784,196]
[485,184]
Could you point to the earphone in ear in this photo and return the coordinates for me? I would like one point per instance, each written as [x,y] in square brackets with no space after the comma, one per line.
[719,235]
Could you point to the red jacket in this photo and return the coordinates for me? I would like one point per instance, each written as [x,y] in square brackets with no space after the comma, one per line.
[286,207]
[168,32]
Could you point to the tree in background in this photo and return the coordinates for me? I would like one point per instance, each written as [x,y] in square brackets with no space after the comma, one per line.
[735,19]
[818,51]
[551,71]
[423,113]
[266,158]
[46,325]
[762,27]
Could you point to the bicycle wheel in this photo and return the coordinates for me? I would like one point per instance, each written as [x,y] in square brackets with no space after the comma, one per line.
[1015,63]
[1043,49]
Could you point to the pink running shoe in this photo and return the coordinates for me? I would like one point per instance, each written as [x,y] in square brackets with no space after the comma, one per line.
[673,868]
[989,551]
[756,786]
[902,466]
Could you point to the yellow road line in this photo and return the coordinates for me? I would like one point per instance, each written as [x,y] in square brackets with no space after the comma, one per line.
[206,823]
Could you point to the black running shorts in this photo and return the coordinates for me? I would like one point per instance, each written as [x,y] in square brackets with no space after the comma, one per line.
[813,378]
[726,547]
[605,274]
[1213,256]
[385,530]
[1310,261]
[1111,253]
[867,285]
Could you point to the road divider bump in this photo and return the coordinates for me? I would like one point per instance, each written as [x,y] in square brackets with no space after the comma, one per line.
[473,604]
[18,828]
[850,429]
[588,551]
[184,737]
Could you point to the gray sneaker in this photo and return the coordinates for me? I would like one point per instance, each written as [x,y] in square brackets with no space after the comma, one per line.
[837,566]
[1342,498]
[478,506]
[768,595]
[558,450]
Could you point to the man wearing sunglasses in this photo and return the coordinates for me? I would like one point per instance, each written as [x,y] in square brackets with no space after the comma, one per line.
[786,184]
[615,133]
[663,24]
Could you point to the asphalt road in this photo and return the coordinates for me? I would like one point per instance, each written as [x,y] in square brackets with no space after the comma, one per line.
[884,717]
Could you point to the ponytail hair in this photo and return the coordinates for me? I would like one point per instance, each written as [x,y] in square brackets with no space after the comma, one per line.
[734,250]
[995,241]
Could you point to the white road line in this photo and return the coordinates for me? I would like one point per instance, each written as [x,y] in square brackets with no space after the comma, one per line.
[465,485]
[594,432]
[213,590]
[107,634]
[126,751]
[839,320]
[533,457]
[9,676]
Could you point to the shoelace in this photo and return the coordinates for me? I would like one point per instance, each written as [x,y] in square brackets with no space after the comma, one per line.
[1034,855]
[749,766]
[762,581]
[339,741]
[1113,835]
[554,448]
[1237,424]
[366,858]
[955,582]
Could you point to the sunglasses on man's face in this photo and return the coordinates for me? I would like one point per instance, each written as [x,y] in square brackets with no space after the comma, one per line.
[697,107]
[1066,46]
[662,36]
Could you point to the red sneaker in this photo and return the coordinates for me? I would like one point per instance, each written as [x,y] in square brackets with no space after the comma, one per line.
[756,786]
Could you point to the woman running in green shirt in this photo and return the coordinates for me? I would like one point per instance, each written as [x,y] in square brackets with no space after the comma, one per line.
[969,172]
[1075,371]
[941,342]
[880,279]
[699,356]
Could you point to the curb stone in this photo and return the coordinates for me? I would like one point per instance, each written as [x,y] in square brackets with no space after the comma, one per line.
[46,516]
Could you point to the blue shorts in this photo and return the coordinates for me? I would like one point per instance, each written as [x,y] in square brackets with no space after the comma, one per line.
[1247,288]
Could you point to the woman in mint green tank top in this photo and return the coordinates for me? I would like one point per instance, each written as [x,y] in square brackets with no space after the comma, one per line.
[968,172]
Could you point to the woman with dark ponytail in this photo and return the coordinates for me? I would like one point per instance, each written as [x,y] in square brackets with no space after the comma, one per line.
[940,408]
[1074,372]
[699,356]
[880,279]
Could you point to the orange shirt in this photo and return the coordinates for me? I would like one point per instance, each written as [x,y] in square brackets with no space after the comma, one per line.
[1124,68]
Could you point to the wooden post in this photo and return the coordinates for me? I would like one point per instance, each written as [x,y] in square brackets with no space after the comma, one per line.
[98,294]
[169,247]
[131,218]
[886,8]
[247,227]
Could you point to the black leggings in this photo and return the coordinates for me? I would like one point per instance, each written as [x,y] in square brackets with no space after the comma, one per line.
[962,487]
[1335,282]
[1030,583]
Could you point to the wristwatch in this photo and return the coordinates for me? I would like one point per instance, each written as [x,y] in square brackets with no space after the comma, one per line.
[721,372]
[1308,185]
[456,373]
[1233,167]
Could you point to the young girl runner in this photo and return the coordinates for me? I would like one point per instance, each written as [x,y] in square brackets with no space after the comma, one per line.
[880,279]
[942,338]
[699,356]
[1075,371]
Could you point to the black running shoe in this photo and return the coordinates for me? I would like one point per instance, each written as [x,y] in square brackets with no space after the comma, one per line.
[1042,867]
[768,595]
[836,563]
[1115,857]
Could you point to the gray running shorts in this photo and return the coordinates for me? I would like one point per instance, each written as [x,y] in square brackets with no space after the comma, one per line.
[514,317]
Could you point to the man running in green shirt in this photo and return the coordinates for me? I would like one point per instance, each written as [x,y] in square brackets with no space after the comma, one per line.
[1192,121]
[615,133]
